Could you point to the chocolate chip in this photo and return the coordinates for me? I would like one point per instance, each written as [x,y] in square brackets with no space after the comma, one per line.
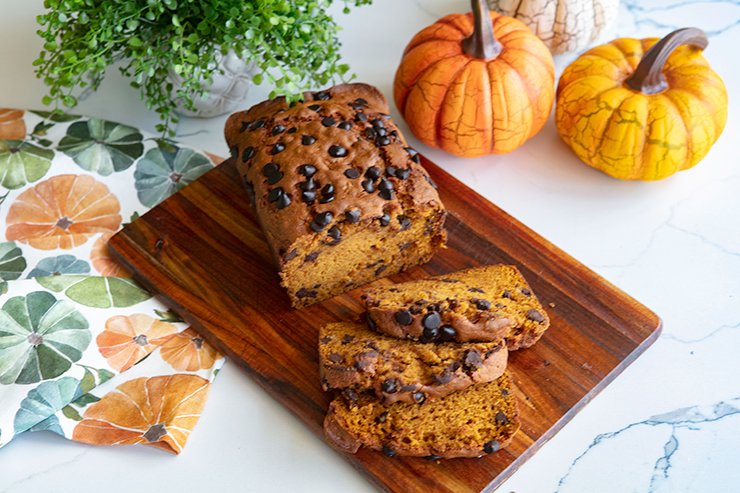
[306,293]
[307,140]
[328,121]
[382,140]
[277,130]
[390,386]
[368,186]
[431,320]
[275,177]
[234,152]
[473,360]
[351,397]
[404,317]
[452,304]
[308,184]
[411,152]
[307,170]
[481,304]
[283,201]
[354,106]
[314,107]
[370,323]
[501,418]
[321,96]
[373,172]
[388,451]
[390,171]
[419,397]
[245,125]
[347,338]
[366,360]
[506,294]
[377,123]
[382,417]
[335,358]
[270,168]
[324,218]
[308,196]
[361,117]
[352,216]
[316,227]
[248,154]
[434,185]
[429,334]
[535,315]
[370,133]
[476,290]
[491,447]
[433,457]
[361,101]
[258,124]
[385,219]
[394,133]
[447,333]
[311,257]
[275,194]
[335,233]
[380,270]
[327,193]
[386,189]
[277,148]
[405,223]
[291,255]
[402,174]
[352,173]
[292,130]
[344,125]
[526,292]
[337,151]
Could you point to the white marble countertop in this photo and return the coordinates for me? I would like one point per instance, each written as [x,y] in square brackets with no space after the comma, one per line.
[669,423]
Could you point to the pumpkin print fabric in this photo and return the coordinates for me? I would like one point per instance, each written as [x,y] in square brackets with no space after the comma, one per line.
[80,341]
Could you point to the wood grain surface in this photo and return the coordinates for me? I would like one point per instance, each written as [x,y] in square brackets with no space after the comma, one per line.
[204,254]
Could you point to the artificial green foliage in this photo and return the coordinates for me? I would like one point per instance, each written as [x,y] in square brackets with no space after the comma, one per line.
[293,42]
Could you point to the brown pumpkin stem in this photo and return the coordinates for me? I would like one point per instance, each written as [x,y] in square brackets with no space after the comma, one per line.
[648,77]
[482,43]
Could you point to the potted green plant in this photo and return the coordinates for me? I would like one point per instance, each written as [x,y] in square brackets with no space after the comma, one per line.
[293,45]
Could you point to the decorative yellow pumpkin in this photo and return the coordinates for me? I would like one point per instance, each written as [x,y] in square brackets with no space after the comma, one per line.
[564,25]
[642,109]
[462,90]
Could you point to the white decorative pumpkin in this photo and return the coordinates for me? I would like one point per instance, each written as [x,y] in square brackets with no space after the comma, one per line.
[564,25]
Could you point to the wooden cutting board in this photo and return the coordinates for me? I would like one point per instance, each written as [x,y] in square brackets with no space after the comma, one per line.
[203,252]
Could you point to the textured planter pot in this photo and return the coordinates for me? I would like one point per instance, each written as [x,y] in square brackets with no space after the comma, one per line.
[227,91]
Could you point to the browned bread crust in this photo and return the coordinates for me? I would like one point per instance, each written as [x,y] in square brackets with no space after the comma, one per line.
[353,357]
[480,304]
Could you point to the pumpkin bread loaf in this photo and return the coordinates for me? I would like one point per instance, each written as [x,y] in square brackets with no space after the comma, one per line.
[481,304]
[341,198]
[353,357]
[472,422]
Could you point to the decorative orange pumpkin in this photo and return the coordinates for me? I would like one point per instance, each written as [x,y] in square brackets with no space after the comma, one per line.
[642,109]
[188,351]
[475,84]
[102,261]
[127,339]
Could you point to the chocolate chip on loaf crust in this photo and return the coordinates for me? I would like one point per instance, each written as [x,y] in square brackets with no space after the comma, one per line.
[248,154]
[321,96]
[307,170]
[335,358]
[404,317]
[328,121]
[431,320]
[337,151]
[277,130]
[491,447]
[307,140]
[278,148]
[352,173]
[352,216]
[344,125]
[481,304]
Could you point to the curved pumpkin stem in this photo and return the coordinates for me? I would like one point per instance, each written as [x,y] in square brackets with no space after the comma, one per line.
[482,43]
[648,77]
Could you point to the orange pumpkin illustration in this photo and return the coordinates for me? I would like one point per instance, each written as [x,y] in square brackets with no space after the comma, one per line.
[127,339]
[102,261]
[187,351]
[12,125]
[62,212]
[159,411]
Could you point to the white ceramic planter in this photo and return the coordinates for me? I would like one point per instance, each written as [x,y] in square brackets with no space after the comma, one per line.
[226,92]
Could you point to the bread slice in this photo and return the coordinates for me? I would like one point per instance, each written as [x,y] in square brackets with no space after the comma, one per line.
[480,304]
[353,356]
[472,422]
